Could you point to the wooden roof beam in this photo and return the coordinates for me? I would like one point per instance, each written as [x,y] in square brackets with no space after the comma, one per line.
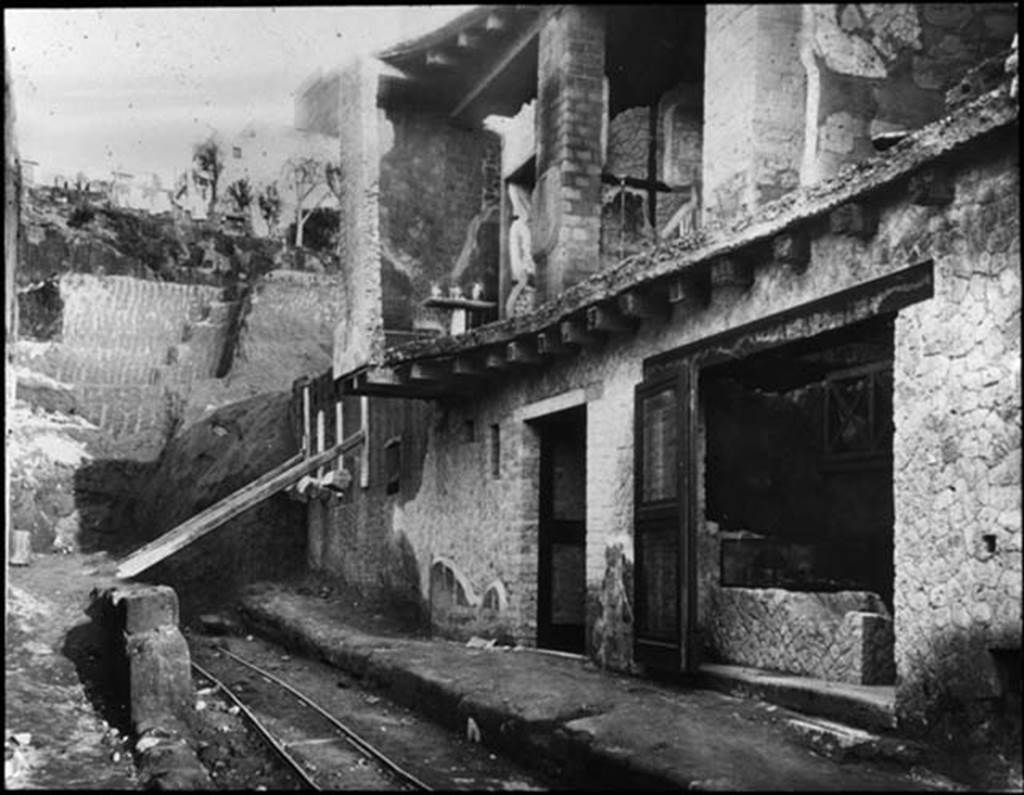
[440,58]
[606,318]
[643,305]
[495,23]
[425,373]
[549,344]
[575,332]
[502,63]
[793,250]
[522,353]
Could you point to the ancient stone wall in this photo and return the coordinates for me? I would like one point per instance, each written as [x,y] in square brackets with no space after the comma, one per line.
[956,489]
[957,453]
[844,637]
[127,346]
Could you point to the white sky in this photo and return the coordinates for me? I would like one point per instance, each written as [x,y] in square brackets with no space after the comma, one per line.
[104,88]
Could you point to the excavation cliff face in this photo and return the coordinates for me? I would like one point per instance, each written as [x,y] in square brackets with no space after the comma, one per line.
[137,335]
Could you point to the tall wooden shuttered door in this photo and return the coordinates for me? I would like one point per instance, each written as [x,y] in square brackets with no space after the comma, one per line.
[663,537]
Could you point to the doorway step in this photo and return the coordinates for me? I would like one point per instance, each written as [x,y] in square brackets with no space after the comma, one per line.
[839,720]
[870,707]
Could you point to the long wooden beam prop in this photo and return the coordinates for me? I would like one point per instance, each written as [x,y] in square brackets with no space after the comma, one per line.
[220,512]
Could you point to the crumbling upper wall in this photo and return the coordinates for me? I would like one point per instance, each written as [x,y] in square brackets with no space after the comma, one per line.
[359,333]
[878,68]
[439,215]
[754,95]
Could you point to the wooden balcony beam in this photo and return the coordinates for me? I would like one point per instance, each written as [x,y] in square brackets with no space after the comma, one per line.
[522,353]
[575,332]
[606,318]
[639,305]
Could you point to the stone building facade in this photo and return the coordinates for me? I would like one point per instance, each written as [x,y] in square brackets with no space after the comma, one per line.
[780,428]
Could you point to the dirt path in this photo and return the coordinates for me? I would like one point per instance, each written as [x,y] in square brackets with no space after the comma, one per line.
[51,647]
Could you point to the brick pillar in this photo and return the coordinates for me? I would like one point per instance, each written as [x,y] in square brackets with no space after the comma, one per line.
[754,98]
[566,222]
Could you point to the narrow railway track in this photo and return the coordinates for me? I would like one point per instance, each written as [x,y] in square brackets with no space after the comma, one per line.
[387,772]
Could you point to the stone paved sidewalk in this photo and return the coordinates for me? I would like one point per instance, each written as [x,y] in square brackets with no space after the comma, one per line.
[587,726]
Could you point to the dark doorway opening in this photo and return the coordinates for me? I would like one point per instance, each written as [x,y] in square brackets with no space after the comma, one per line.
[561,594]
[799,463]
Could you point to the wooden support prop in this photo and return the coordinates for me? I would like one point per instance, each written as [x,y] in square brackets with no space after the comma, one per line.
[574,332]
[932,187]
[522,353]
[606,318]
[792,249]
[495,360]
[217,514]
[549,343]
[855,218]
[640,306]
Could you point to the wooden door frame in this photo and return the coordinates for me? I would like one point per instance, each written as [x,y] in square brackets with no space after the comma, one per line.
[545,499]
[683,655]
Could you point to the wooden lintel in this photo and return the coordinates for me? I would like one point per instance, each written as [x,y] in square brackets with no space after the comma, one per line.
[932,187]
[521,352]
[731,272]
[792,249]
[502,63]
[549,343]
[854,218]
[606,318]
[638,305]
[439,58]
[574,332]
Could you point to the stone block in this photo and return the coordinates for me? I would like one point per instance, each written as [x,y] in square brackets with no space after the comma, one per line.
[160,679]
[143,608]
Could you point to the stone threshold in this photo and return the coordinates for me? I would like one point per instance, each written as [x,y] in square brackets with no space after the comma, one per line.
[870,707]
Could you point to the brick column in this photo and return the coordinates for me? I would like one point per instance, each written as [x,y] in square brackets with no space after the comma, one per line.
[566,223]
[754,98]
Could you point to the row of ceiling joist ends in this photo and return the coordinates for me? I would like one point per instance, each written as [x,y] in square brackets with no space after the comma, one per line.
[690,290]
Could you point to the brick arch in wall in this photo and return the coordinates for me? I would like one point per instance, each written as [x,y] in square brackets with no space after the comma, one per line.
[449,587]
[495,597]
